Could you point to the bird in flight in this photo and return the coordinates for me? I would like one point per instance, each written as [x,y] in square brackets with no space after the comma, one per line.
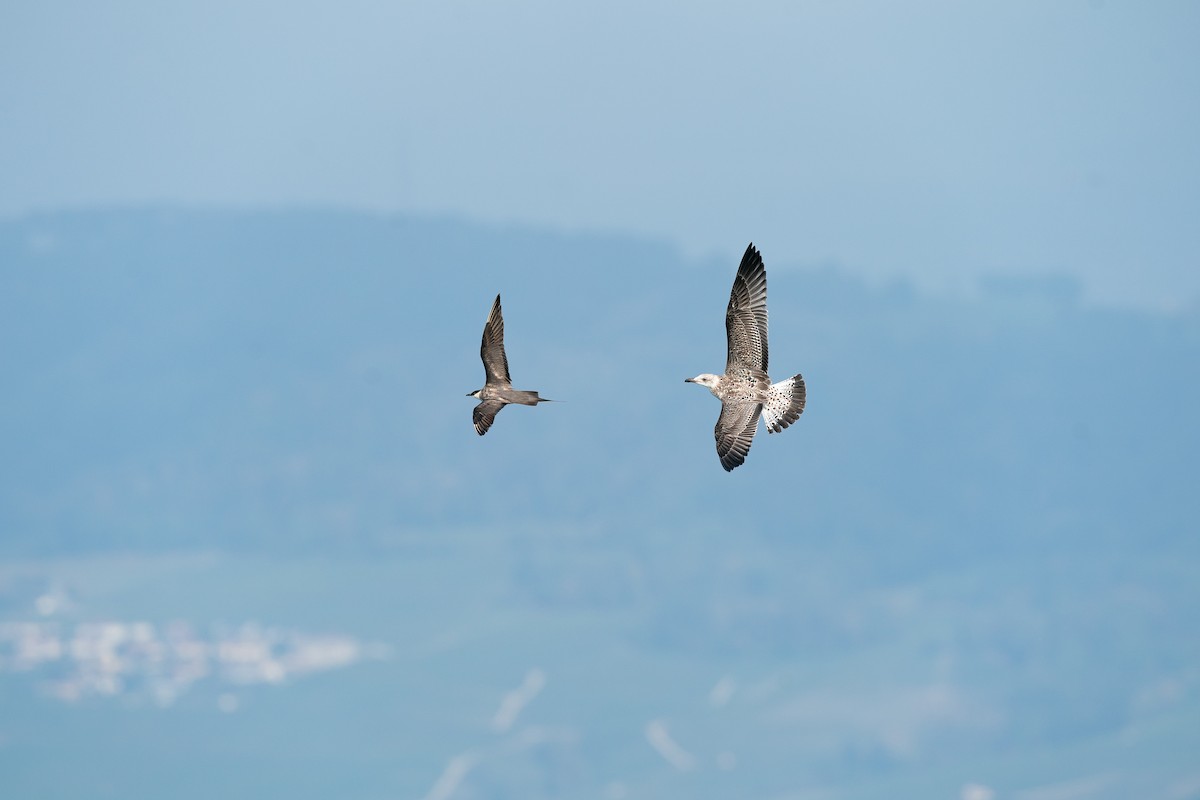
[745,390]
[497,391]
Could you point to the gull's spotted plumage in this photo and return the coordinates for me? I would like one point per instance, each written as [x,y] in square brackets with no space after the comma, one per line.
[497,391]
[745,391]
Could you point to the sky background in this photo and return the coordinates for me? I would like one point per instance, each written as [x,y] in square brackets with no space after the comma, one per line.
[938,142]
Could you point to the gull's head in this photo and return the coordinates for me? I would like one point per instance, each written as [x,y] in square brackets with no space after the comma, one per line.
[704,379]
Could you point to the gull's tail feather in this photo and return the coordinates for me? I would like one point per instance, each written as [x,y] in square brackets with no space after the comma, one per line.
[785,404]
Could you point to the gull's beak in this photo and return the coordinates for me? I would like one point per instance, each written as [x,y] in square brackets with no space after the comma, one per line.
[689,380]
[470,394]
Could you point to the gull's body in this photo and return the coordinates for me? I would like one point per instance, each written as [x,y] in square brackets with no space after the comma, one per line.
[745,390]
[497,391]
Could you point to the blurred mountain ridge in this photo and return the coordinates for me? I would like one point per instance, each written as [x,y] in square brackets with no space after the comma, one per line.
[968,570]
[293,380]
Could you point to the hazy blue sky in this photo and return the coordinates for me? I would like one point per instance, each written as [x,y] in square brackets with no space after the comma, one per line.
[937,140]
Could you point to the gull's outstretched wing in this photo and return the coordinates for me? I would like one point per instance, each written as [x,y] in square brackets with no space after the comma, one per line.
[746,316]
[495,362]
[735,431]
[485,414]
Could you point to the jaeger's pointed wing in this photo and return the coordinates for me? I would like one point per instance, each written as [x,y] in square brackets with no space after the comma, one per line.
[485,414]
[746,316]
[491,350]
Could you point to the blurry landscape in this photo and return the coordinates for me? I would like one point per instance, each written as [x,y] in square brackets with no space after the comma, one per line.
[971,570]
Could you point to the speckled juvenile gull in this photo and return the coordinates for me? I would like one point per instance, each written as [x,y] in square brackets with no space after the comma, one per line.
[497,391]
[744,390]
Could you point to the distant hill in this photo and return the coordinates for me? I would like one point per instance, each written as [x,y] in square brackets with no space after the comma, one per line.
[972,563]
[295,380]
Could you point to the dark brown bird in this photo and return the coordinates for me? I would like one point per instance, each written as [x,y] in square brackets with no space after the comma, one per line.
[497,391]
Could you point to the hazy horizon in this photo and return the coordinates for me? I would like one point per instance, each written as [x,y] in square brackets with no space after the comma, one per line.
[933,142]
